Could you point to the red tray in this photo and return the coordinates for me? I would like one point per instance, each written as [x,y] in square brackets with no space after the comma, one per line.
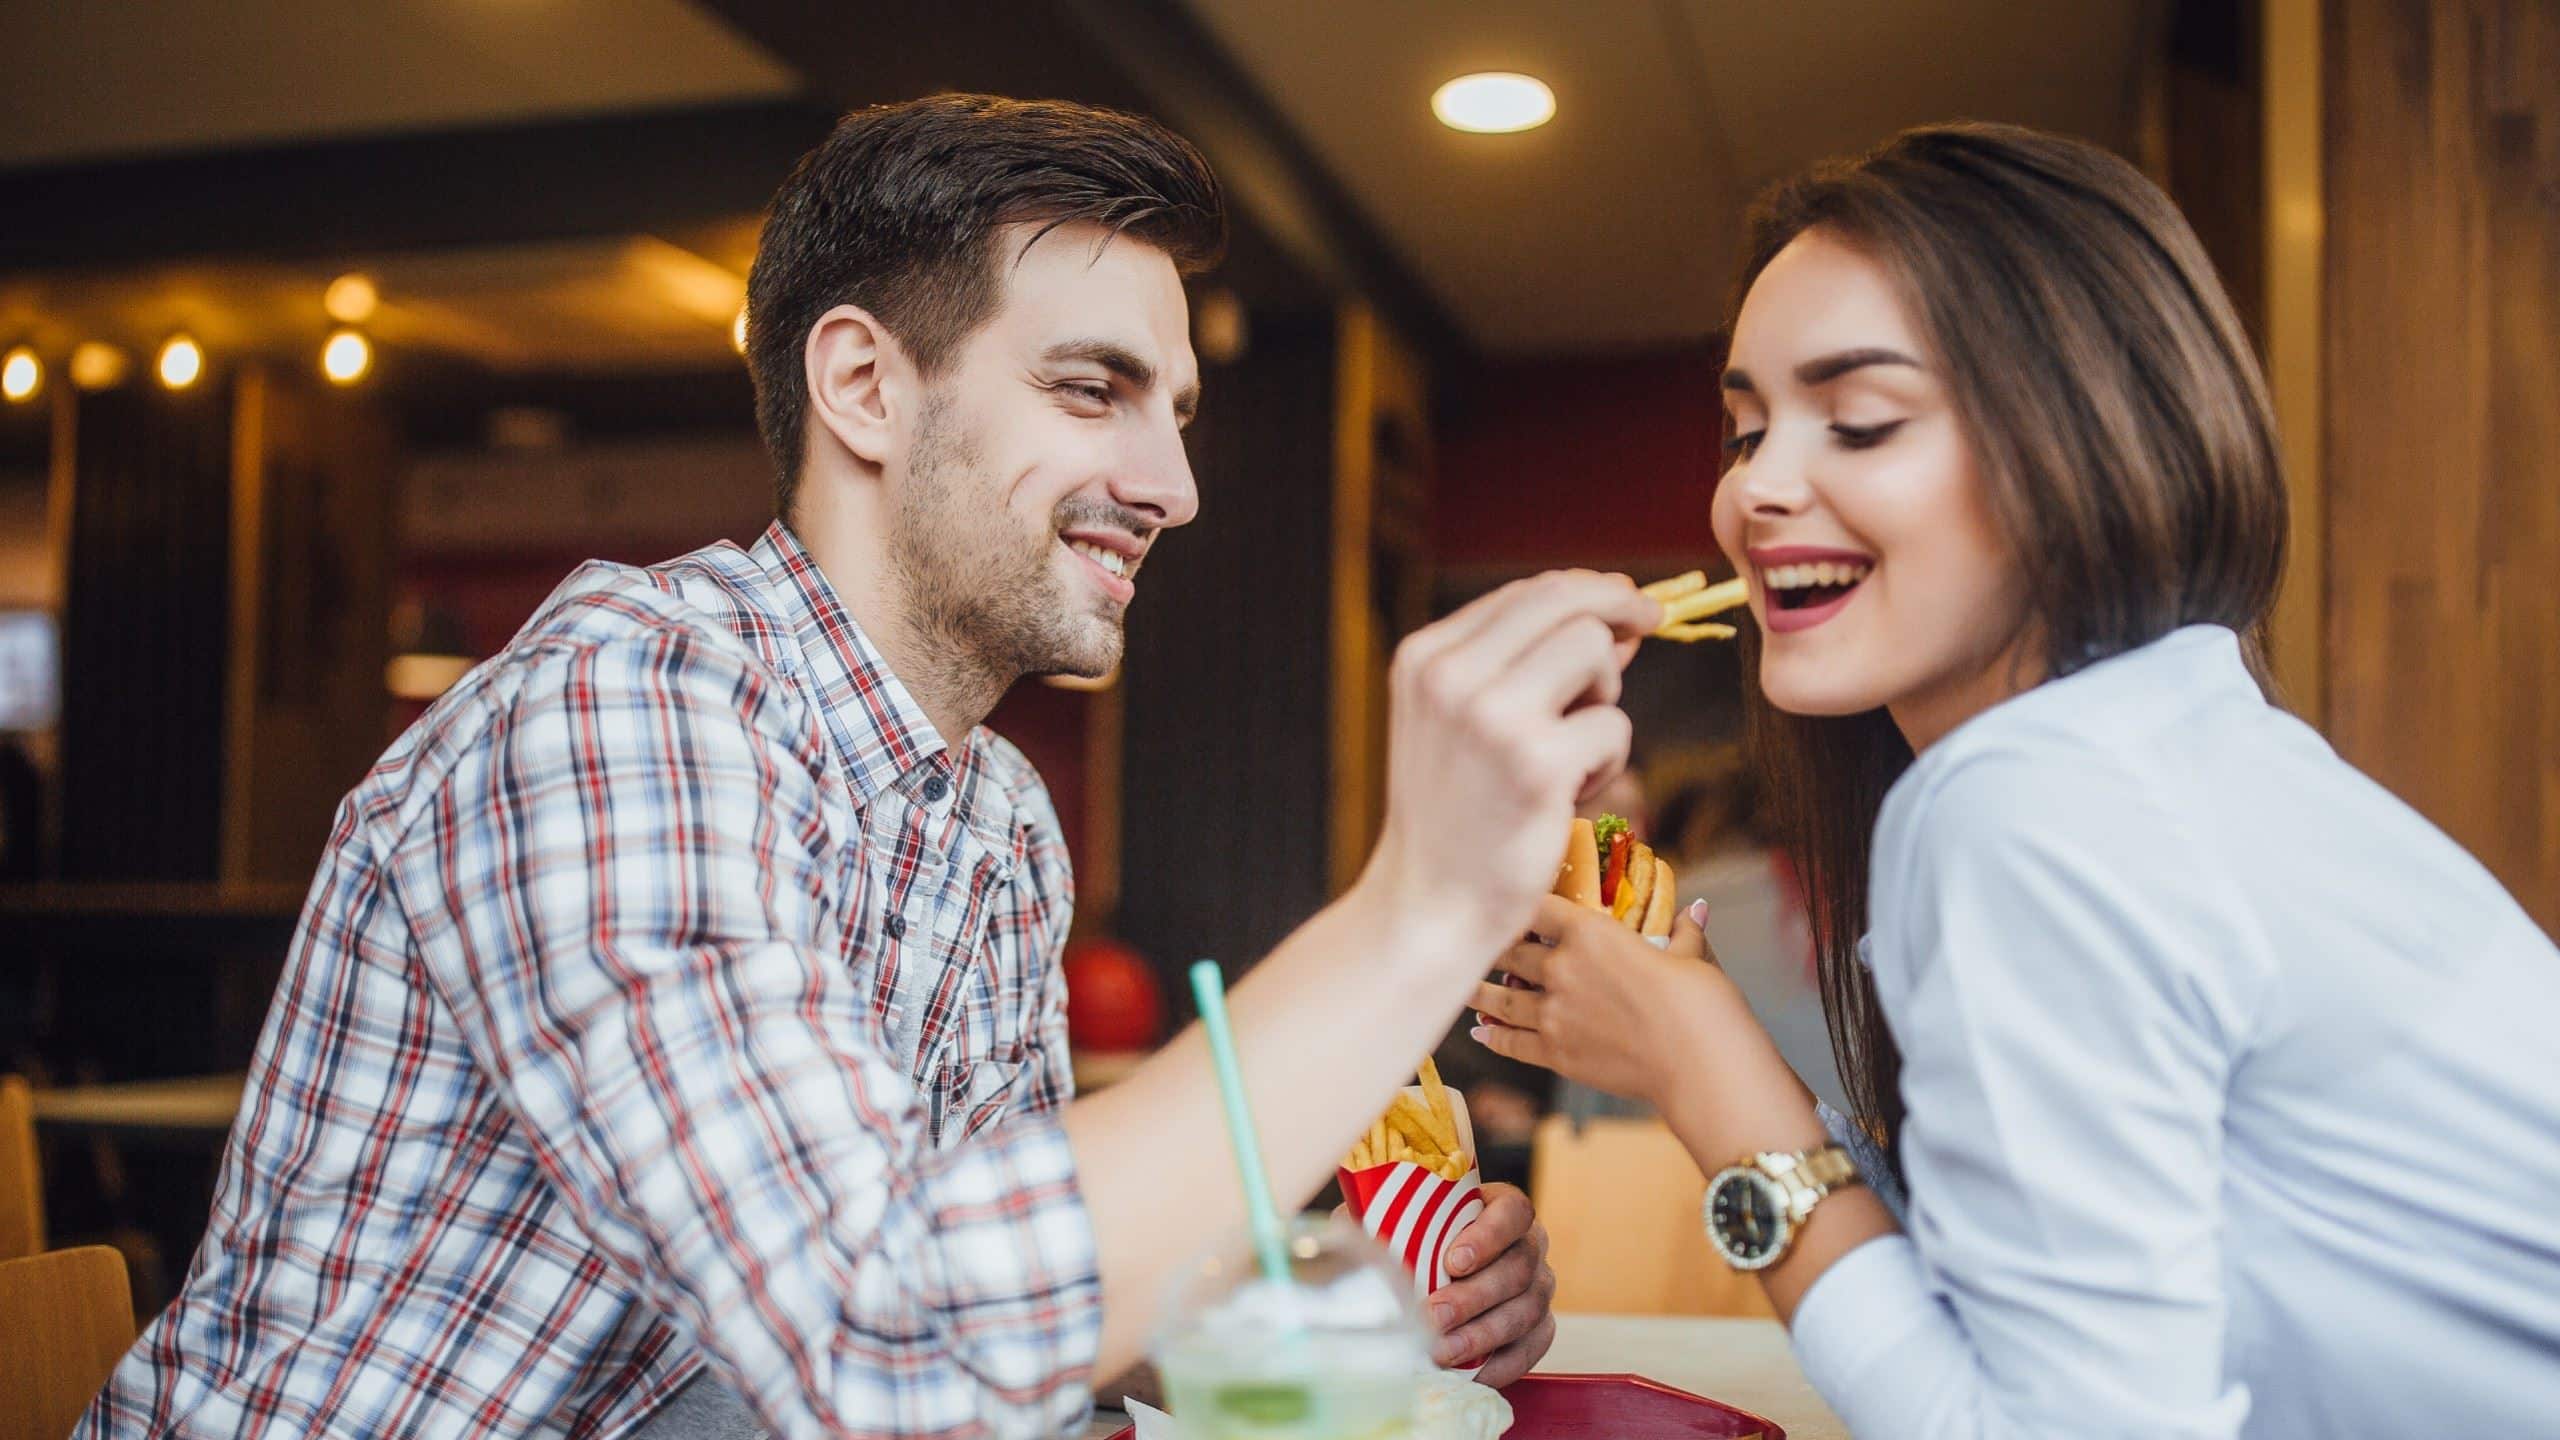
[1615,1407]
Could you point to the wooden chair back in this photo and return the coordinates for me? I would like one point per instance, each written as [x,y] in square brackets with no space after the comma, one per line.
[1620,1201]
[21,1188]
[68,1318]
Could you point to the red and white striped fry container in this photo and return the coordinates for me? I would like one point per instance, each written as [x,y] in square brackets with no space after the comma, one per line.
[1415,1213]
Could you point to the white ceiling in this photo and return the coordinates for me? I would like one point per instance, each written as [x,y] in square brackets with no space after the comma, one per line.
[1615,226]
[87,79]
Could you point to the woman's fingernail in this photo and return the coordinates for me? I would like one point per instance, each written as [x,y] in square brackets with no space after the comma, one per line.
[1462,1259]
[1698,913]
[1478,1033]
[1441,1315]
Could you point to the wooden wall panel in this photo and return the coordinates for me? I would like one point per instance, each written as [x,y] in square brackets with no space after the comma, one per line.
[310,605]
[2443,405]
[1223,741]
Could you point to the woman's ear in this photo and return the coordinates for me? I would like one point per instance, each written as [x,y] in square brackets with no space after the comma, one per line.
[856,377]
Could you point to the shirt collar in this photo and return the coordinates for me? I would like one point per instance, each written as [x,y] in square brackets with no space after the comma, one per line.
[881,734]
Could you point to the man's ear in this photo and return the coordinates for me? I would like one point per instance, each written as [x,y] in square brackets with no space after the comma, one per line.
[857,378]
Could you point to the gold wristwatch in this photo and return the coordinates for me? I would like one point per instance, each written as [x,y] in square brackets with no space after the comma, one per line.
[1754,1208]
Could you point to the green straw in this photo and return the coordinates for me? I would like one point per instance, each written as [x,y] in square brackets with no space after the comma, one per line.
[1209,989]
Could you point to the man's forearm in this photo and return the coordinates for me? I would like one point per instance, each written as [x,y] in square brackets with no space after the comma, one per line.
[1327,1026]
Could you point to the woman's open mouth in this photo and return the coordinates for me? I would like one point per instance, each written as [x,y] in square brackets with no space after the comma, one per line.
[1803,591]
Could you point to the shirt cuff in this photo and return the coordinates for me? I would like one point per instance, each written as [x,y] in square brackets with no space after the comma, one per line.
[1854,1332]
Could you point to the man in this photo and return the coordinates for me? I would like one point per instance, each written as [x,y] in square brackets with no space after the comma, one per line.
[682,991]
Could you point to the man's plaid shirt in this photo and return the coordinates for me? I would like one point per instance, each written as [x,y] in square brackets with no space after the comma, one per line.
[669,992]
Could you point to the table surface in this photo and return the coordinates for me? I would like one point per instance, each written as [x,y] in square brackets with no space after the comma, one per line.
[1747,1364]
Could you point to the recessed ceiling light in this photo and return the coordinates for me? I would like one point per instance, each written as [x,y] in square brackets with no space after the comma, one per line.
[1495,102]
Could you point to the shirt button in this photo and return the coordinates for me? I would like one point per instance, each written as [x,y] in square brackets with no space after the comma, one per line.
[935,788]
[897,926]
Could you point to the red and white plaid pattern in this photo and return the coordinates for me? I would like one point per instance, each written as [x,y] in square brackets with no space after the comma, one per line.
[669,988]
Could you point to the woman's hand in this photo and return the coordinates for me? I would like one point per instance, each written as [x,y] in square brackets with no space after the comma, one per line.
[1607,1008]
[1664,1026]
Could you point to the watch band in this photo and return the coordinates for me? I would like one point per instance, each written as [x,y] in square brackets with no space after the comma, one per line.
[1827,1168]
[1807,1177]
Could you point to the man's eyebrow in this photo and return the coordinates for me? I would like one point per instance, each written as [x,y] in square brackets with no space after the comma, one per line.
[1128,365]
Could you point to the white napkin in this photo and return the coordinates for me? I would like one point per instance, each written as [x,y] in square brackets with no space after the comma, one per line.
[1451,1408]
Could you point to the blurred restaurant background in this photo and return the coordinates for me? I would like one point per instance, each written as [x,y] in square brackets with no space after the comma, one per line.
[335,336]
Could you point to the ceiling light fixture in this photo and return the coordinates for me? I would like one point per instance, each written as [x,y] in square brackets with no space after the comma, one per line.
[1494,102]
[21,375]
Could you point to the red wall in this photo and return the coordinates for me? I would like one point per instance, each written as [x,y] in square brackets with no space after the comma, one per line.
[1581,462]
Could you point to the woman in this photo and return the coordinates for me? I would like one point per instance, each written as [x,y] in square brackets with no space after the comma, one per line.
[2222,1082]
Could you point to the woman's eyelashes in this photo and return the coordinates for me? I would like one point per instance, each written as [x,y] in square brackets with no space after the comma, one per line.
[1850,437]
[1864,437]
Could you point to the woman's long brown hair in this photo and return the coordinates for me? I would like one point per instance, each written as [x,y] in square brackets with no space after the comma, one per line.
[2119,421]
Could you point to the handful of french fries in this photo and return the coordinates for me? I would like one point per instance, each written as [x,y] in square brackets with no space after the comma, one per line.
[1687,601]
[1423,1132]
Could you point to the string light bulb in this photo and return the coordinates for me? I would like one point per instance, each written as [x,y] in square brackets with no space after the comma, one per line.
[97,365]
[21,375]
[351,299]
[346,357]
[181,361]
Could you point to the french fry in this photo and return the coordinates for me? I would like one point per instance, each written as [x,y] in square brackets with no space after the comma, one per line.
[1436,1095]
[1708,600]
[1687,600]
[1408,1118]
[1666,591]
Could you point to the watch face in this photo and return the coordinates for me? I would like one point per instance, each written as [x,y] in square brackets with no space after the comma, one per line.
[1747,1218]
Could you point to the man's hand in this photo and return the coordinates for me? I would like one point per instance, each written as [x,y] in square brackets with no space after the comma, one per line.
[1500,717]
[1496,1310]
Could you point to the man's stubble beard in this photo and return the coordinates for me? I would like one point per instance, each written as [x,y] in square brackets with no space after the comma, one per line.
[988,600]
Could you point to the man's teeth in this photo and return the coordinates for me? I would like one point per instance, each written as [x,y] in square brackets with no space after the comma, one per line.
[1111,560]
[1805,577]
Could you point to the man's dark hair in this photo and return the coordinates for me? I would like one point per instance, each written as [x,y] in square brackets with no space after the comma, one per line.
[898,210]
